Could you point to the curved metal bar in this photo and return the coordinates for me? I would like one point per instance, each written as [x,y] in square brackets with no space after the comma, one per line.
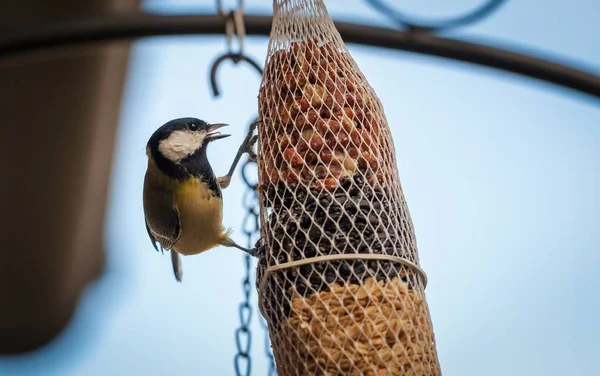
[127,26]
[403,20]
[236,58]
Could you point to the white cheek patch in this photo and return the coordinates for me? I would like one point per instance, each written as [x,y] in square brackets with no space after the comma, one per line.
[181,144]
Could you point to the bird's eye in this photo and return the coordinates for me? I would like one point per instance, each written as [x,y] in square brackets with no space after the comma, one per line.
[193,126]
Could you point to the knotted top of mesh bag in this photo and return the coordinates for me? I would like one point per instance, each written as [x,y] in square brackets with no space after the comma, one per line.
[301,20]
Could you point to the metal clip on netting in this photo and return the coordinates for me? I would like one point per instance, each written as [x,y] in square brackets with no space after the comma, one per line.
[339,279]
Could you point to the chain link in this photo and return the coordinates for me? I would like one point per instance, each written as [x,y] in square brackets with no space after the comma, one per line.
[234,24]
[252,210]
[243,336]
[250,228]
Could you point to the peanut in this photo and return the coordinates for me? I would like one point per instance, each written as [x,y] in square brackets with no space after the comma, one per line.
[315,88]
[292,157]
[377,345]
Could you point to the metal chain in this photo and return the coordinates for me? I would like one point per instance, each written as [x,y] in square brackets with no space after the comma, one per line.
[234,24]
[243,336]
[250,228]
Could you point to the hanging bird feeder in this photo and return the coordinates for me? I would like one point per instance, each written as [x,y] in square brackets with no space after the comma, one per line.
[338,278]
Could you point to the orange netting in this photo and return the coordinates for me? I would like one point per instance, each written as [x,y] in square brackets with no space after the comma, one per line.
[338,275]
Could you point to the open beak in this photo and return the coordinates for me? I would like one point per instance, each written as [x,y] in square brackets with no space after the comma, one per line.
[213,134]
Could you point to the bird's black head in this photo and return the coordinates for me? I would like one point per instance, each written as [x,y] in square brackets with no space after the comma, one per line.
[179,146]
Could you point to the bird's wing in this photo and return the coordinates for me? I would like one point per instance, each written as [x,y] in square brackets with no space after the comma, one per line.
[162,219]
[164,229]
[164,242]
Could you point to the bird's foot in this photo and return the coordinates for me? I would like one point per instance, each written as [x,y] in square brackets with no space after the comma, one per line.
[224,181]
[248,147]
[230,243]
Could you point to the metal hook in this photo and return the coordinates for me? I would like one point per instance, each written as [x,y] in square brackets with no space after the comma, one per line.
[236,58]
[219,4]
[234,24]
[240,28]
[230,30]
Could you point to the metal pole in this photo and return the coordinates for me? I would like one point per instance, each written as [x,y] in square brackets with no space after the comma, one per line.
[112,27]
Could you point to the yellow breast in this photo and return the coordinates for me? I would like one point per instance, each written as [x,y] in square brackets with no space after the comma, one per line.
[201,216]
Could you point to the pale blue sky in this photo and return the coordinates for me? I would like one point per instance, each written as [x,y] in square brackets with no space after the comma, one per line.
[500,174]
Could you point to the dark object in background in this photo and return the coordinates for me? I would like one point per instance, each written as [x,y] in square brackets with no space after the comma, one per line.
[59,113]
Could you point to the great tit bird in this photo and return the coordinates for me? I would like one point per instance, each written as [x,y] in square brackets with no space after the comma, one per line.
[182,197]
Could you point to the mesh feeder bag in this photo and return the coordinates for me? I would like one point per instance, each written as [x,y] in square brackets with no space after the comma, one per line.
[338,277]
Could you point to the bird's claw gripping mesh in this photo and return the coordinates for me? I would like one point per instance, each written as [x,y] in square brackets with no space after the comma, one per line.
[338,275]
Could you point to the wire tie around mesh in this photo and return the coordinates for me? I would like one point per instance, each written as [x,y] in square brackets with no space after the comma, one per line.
[355,256]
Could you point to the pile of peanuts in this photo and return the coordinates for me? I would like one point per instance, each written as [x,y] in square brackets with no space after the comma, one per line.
[319,124]
[376,328]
